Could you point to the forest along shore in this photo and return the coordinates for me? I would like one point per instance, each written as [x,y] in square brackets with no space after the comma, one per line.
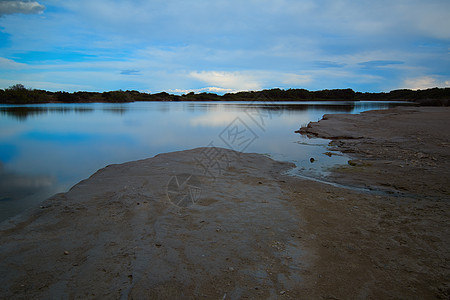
[19,94]
[164,228]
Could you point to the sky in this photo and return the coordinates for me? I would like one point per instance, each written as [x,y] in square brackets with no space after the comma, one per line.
[224,46]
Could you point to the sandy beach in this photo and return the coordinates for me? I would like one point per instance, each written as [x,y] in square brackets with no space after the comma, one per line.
[178,226]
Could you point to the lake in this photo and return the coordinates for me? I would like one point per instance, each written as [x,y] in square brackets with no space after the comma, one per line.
[46,149]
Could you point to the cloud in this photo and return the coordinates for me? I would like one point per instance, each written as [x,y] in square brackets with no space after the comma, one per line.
[233,45]
[295,79]
[211,89]
[130,72]
[6,63]
[238,81]
[249,80]
[20,7]
[328,64]
[380,63]
[424,82]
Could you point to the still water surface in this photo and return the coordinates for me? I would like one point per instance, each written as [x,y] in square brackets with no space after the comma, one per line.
[45,149]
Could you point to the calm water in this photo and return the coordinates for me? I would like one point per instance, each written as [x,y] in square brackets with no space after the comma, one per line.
[45,149]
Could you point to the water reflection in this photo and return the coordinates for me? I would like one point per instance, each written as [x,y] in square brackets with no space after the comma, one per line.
[19,191]
[69,142]
[281,106]
[116,110]
[21,113]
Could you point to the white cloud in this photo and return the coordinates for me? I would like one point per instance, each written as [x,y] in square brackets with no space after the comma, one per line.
[295,79]
[250,80]
[22,7]
[233,45]
[6,63]
[45,85]
[238,81]
[424,82]
[211,89]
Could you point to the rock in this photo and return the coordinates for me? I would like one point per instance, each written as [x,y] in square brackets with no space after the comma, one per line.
[352,163]
[312,159]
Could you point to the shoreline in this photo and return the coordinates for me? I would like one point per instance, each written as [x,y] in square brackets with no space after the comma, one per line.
[163,227]
[18,94]
[399,150]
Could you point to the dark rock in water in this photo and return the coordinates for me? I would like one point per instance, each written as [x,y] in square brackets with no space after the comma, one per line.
[312,159]
[352,163]
[359,163]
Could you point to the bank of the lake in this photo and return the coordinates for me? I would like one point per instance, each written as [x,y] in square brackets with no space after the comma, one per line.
[166,228]
[47,148]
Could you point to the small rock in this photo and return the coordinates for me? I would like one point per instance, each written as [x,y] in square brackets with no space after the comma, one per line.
[66,252]
[282,292]
[312,159]
[231,269]
[352,163]
[158,245]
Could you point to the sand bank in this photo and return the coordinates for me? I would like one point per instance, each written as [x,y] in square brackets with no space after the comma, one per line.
[169,228]
[402,150]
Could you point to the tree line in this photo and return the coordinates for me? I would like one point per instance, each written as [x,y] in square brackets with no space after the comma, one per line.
[19,94]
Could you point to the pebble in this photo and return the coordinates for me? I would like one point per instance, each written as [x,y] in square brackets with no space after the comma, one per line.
[66,252]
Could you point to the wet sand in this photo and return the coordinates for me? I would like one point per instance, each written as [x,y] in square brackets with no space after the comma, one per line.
[393,242]
[167,228]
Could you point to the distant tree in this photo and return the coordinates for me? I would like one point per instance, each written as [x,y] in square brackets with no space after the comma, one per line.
[17,87]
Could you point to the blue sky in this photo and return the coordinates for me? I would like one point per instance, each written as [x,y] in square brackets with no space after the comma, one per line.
[224,46]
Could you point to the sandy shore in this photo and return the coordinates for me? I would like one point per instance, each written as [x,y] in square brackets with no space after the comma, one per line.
[394,242]
[169,228]
[402,150]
